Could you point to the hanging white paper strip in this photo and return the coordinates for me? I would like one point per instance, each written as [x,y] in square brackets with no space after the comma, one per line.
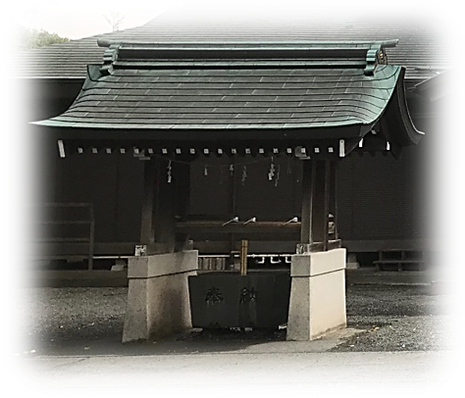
[61,149]
[342,148]
[170,177]
[271,172]
[278,174]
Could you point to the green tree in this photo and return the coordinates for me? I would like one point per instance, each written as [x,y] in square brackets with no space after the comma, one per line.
[33,38]
[114,18]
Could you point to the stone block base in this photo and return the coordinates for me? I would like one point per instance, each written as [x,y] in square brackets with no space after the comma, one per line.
[158,295]
[352,262]
[120,265]
[317,303]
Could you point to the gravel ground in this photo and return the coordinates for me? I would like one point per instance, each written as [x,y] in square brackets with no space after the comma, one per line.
[389,318]
[396,318]
[61,316]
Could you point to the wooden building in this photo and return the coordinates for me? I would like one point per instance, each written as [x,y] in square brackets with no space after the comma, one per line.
[246,163]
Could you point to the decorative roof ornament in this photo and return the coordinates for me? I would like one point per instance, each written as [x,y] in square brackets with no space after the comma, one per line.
[110,56]
[375,56]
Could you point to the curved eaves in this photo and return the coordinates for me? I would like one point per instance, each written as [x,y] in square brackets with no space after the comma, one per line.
[396,123]
[317,100]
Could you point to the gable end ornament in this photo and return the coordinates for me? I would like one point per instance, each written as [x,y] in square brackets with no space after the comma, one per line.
[375,56]
[110,56]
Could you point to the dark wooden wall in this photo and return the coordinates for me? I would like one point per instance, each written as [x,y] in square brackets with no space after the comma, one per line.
[384,198]
[111,183]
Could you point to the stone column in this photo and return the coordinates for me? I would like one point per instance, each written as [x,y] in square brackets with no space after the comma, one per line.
[158,295]
[352,262]
[317,302]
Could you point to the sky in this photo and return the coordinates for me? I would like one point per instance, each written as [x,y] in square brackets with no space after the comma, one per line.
[83,18]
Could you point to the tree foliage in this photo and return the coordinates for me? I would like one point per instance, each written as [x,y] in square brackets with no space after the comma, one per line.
[114,18]
[33,38]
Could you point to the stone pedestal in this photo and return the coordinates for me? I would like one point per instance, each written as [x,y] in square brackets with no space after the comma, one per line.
[120,264]
[158,295]
[317,303]
[352,262]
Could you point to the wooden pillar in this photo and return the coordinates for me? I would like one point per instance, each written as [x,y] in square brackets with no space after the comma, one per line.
[147,212]
[244,250]
[234,182]
[308,194]
[158,222]
[148,203]
[333,196]
[315,204]
[182,179]
[327,199]
[320,202]
[165,221]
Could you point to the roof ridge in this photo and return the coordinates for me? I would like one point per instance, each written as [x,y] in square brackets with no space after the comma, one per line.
[335,54]
[418,50]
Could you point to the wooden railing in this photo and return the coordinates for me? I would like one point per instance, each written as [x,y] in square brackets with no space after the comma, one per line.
[40,239]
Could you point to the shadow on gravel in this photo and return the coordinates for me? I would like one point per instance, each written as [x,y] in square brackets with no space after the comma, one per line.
[192,342]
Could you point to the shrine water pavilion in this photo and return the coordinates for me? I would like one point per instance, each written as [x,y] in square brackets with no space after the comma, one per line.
[239,146]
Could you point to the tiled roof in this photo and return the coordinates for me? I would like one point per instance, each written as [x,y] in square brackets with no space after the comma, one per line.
[436,87]
[316,86]
[420,49]
[231,98]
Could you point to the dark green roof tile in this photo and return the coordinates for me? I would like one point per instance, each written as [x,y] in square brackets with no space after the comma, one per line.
[287,97]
